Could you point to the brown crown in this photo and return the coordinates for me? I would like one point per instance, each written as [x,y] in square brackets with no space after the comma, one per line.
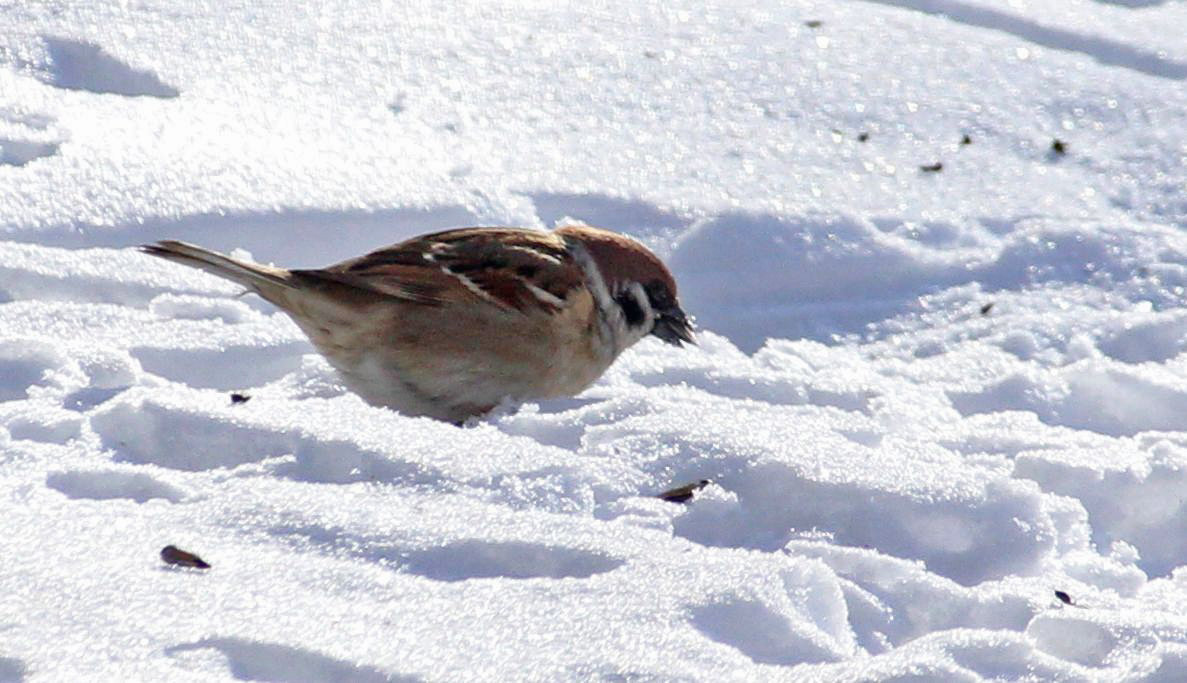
[620,258]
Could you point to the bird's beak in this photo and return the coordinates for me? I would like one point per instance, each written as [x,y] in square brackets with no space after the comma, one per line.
[674,327]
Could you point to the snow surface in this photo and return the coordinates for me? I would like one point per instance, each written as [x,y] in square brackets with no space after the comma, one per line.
[926,401]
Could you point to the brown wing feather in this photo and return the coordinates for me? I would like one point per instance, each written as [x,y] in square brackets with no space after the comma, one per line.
[502,265]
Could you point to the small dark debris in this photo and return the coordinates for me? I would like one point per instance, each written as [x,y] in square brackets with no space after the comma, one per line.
[650,54]
[1064,598]
[171,554]
[398,105]
[236,399]
[863,136]
[932,168]
[813,23]
[683,494]
[836,131]
[966,140]
[1058,147]
[987,308]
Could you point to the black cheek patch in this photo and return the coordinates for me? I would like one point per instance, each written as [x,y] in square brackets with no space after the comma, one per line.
[631,309]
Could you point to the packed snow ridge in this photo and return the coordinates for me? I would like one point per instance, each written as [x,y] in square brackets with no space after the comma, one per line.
[936,253]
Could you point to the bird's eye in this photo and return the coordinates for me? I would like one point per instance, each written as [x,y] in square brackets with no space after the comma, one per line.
[659,295]
[631,310]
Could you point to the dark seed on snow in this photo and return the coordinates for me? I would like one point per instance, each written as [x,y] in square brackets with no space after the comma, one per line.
[171,554]
[683,494]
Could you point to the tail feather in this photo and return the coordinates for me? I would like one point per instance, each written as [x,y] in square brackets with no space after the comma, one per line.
[259,278]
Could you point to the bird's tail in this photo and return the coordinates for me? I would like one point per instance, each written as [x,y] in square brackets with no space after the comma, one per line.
[267,281]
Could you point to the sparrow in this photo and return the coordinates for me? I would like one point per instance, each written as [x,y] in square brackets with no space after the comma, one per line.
[451,324]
